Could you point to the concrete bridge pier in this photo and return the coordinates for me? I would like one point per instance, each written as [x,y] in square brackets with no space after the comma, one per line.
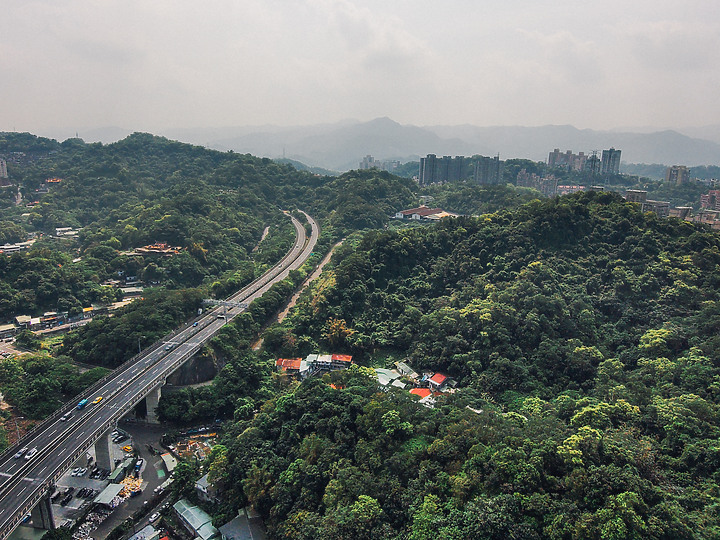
[41,515]
[151,402]
[103,452]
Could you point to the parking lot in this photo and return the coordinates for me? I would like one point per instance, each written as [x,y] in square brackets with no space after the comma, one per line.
[152,473]
[75,483]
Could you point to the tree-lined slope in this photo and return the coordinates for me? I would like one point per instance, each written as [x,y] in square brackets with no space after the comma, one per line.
[583,335]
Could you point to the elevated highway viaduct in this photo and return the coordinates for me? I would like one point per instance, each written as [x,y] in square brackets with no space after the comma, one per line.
[26,484]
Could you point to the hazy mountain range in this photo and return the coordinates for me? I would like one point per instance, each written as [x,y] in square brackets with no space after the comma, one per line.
[341,146]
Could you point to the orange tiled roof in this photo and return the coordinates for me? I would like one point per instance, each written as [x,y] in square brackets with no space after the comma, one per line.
[438,378]
[421,392]
[285,363]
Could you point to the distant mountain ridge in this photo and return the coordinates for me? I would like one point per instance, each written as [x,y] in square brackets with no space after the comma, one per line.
[341,146]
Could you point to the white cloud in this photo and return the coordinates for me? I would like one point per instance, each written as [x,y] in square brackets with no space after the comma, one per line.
[150,65]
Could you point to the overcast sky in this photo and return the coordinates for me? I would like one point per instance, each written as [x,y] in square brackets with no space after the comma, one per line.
[152,65]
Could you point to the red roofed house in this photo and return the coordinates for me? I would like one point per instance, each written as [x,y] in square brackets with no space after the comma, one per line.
[422,213]
[288,365]
[341,361]
[437,381]
[421,392]
[407,214]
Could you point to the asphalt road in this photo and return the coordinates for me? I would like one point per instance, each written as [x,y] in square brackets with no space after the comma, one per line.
[59,444]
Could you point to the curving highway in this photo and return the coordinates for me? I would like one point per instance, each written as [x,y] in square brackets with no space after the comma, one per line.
[59,443]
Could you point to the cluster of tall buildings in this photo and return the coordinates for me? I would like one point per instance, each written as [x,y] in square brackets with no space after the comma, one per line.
[567,160]
[477,169]
[547,185]
[369,162]
[609,163]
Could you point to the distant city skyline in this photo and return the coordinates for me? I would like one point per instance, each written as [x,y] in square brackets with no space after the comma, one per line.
[154,66]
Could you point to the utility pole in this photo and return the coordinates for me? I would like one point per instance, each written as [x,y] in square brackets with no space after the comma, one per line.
[17,429]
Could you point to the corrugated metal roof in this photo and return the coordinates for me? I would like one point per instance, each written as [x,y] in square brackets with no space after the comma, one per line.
[199,521]
[108,494]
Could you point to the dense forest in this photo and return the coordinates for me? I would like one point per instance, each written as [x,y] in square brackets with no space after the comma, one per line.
[583,335]
[38,384]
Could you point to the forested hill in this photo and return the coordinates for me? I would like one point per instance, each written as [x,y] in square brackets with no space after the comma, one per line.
[145,189]
[583,335]
[142,168]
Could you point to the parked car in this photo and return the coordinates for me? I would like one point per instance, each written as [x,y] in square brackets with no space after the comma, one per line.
[154,517]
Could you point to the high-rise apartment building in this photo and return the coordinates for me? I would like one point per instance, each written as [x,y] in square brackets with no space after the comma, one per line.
[427,170]
[610,161]
[592,164]
[443,172]
[4,178]
[487,170]
[457,170]
[677,174]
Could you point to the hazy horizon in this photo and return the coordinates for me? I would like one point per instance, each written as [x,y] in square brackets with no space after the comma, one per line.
[168,65]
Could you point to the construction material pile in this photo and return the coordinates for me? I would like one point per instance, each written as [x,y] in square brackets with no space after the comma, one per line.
[130,485]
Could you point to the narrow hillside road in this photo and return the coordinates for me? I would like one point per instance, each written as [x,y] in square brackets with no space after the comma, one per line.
[264,234]
[293,300]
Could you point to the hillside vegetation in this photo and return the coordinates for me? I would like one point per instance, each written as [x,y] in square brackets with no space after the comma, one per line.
[583,335]
[211,206]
